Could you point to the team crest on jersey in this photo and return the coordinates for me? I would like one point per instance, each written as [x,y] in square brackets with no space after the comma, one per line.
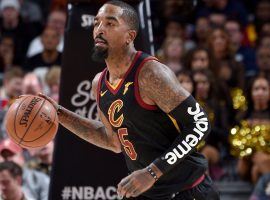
[114,108]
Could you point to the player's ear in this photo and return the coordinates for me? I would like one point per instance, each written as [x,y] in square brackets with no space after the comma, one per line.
[131,36]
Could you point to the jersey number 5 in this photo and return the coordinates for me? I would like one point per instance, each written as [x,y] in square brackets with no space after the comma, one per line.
[128,146]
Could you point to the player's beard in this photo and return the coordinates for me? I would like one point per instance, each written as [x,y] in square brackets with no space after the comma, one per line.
[99,54]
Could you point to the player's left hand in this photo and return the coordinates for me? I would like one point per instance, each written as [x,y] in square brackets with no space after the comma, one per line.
[135,184]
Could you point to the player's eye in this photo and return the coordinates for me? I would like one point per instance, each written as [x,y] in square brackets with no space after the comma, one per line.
[110,24]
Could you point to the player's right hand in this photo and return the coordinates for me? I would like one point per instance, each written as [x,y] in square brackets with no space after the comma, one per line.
[135,184]
[53,102]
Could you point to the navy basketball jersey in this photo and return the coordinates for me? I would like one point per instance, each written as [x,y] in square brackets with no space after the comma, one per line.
[145,131]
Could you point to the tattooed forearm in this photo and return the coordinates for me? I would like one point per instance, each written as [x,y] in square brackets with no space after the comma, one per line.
[92,131]
[159,84]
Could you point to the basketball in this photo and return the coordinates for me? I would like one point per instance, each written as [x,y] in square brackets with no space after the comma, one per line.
[31,121]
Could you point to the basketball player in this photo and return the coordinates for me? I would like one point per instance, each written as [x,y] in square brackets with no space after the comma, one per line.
[145,113]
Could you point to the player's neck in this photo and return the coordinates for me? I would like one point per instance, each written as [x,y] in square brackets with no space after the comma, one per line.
[119,62]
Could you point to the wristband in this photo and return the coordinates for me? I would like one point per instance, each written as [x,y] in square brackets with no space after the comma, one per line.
[59,109]
[152,173]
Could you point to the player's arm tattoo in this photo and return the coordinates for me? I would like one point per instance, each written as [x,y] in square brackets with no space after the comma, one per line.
[159,84]
[89,130]
[93,131]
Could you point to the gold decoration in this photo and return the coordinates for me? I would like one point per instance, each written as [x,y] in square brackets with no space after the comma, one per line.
[201,145]
[246,139]
[238,98]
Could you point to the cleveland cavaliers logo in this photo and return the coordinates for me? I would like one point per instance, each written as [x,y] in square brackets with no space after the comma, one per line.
[116,121]
[115,108]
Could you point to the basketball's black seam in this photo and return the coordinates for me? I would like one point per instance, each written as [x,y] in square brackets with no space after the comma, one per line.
[16,117]
[24,145]
[45,132]
[32,121]
[15,136]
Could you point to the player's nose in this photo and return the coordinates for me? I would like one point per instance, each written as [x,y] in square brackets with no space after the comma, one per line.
[100,29]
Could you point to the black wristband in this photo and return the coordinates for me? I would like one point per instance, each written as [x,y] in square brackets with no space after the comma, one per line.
[152,173]
[59,109]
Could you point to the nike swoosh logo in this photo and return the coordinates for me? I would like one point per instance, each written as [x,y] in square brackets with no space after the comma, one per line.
[103,93]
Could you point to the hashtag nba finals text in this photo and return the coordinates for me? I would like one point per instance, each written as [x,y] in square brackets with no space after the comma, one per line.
[89,193]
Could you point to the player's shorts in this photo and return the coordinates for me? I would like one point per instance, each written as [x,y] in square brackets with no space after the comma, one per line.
[203,191]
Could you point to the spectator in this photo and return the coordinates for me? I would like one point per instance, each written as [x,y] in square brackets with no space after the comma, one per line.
[199,59]
[168,17]
[12,25]
[262,187]
[258,113]
[230,8]
[263,60]
[10,90]
[35,183]
[31,84]
[264,41]
[172,53]
[30,11]
[11,182]
[45,7]
[243,54]
[231,86]
[52,79]
[56,21]
[265,29]
[219,44]
[262,14]
[258,100]
[12,86]
[50,55]
[42,158]
[7,52]
[217,19]
[202,30]
[221,49]
[186,80]
[176,28]
[217,141]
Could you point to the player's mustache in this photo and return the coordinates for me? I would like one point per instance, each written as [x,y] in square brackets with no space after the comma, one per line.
[101,38]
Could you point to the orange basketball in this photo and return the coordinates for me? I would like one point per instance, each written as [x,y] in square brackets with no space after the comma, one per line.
[31,121]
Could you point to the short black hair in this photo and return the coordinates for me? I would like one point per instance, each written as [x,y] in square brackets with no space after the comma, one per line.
[14,169]
[129,13]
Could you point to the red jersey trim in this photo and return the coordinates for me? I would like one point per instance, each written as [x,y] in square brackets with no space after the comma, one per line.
[115,90]
[99,85]
[197,182]
[136,87]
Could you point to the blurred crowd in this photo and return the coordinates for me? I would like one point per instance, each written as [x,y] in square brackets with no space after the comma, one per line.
[31,45]
[218,49]
[220,52]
